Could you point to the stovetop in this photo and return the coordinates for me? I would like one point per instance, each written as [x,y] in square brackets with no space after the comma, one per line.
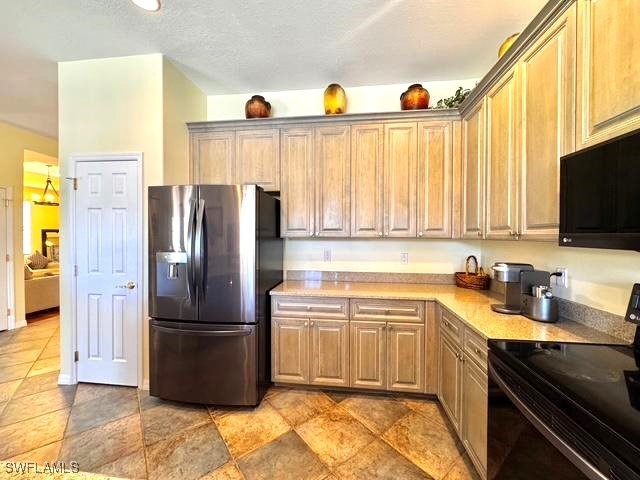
[602,381]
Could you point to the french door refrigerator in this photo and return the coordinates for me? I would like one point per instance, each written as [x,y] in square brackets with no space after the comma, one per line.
[214,253]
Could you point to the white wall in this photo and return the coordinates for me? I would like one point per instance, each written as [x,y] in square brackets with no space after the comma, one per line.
[425,256]
[378,98]
[599,278]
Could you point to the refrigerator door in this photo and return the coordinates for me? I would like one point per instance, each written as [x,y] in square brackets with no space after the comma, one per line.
[226,253]
[172,219]
[210,364]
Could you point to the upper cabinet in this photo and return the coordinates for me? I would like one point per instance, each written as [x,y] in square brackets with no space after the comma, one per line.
[608,55]
[435,179]
[547,103]
[258,158]
[400,175]
[213,157]
[332,181]
[367,164]
[501,160]
[472,204]
[297,196]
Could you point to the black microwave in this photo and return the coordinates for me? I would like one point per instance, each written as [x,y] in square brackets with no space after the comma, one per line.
[600,195]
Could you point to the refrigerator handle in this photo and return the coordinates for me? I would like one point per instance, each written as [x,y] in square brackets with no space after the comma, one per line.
[191,273]
[197,251]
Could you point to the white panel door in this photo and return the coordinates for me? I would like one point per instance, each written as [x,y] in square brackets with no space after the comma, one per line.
[106,239]
[4,271]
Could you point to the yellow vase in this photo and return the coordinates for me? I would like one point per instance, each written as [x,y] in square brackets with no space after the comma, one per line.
[335,100]
[506,45]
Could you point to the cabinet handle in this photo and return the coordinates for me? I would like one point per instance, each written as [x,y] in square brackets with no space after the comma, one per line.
[386,234]
[312,323]
[479,233]
[419,234]
[478,352]
[379,234]
[306,324]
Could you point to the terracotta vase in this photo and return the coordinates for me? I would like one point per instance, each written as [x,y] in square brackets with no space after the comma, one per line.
[335,100]
[257,107]
[415,98]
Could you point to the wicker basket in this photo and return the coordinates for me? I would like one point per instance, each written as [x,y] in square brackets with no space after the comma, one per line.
[476,280]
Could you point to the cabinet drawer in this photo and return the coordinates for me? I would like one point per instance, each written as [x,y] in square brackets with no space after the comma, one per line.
[476,348]
[450,324]
[336,308]
[387,310]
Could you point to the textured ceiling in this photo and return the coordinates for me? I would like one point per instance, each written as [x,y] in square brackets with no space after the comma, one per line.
[231,46]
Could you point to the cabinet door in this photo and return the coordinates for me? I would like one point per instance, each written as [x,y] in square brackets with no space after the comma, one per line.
[297,197]
[450,379]
[473,156]
[258,158]
[608,69]
[502,174]
[368,355]
[400,174]
[213,157]
[435,174]
[547,102]
[432,344]
[474,414]
[333,188]
[405,357]
[366,180]
[290,350]
[329,352]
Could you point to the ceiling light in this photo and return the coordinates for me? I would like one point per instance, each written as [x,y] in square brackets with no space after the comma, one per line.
[149,5]
[47,199]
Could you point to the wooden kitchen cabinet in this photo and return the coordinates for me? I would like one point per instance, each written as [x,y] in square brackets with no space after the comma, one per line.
[450,378]
[258,158]
[368,355]
[435,179]
[608,59]
[547,102]
[290,350]
[501,160]
[213,157]
[332,158]
[367,166]
[473,165]
[474,413]
[329,353]
[297,195]
[400,175]
[405,357]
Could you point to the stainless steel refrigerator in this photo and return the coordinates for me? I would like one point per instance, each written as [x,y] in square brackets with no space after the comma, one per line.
[214,253]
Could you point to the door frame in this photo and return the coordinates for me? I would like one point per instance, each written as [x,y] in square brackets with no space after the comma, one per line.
[137,157]
[11,290]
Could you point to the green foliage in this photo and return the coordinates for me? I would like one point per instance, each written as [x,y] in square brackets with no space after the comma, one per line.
[455,100]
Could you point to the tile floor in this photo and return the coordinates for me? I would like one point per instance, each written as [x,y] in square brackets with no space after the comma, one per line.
[294,434]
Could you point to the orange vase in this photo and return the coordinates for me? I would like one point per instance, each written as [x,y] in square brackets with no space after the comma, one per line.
[335,100]
[257,107]
[415,98]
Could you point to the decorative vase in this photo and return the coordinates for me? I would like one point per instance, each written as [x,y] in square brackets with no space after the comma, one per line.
[506,45]
[415,98]
[257,107]
[335,100]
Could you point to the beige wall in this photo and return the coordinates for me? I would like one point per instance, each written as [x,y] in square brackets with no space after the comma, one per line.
[598,278]
[183,102]
[377,98]
[116,105]
[425,256]
[13,142]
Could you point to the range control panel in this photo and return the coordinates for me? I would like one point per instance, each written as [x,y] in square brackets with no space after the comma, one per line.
[633,310]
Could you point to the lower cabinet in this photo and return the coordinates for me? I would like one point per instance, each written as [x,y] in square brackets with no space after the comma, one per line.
[368,355]
[463,387]
[310,351]
[290,350]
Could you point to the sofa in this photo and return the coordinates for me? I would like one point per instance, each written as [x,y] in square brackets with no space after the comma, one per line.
[42,288]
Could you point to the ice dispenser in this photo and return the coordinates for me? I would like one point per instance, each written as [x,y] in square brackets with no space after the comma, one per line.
[171,274]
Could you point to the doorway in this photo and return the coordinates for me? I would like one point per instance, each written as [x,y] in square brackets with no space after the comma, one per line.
[7,317]
[107,243]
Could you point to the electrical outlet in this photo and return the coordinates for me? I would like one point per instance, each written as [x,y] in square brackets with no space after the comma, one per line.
[326,256]
[404,258]
[562,280]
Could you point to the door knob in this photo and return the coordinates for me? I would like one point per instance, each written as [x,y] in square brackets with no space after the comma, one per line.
[128,285]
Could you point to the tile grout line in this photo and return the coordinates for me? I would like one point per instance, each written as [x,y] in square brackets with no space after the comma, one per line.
[226,445]
[144,445]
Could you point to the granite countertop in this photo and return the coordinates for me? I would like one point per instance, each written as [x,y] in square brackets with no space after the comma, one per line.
[473,307]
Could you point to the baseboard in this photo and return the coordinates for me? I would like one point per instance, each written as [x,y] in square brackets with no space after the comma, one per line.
[145,384]
[20,323]
[64,379]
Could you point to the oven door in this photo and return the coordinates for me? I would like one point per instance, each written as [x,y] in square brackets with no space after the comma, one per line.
[521,444]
